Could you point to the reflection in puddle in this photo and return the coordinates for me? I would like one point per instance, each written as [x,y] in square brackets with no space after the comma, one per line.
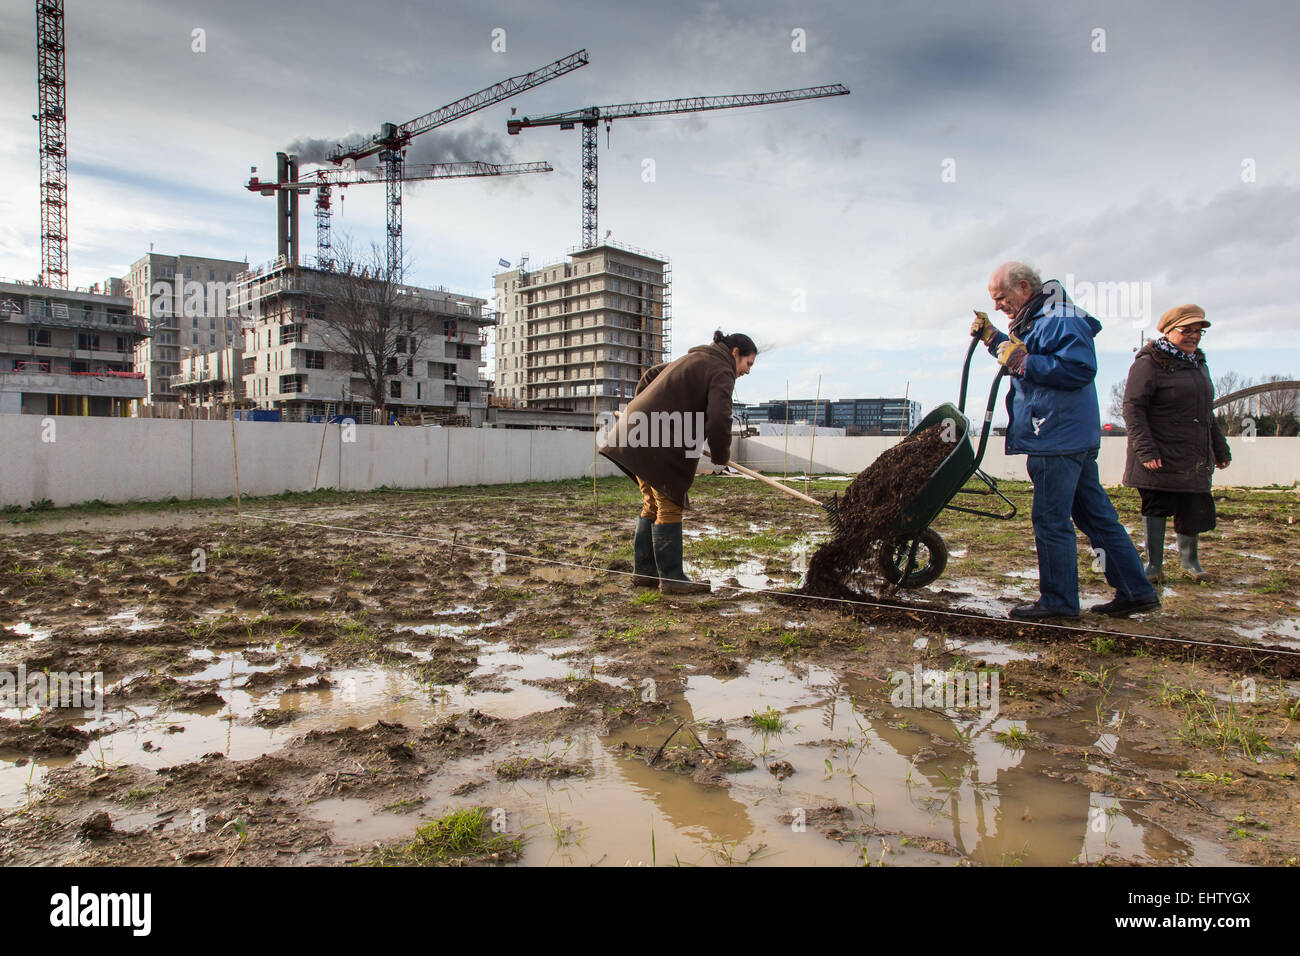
[900,785]
[923,774]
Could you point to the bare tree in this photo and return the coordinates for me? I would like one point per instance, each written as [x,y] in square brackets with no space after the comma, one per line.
[1230,414]
[371,315]
[1115,412]
[1281,405]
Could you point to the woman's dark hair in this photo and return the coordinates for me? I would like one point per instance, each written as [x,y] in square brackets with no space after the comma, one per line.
[737,340]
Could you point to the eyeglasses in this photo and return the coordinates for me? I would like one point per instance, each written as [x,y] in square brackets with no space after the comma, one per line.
[1196,331]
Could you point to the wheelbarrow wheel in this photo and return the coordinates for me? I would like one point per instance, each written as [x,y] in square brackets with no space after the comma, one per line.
[931,559]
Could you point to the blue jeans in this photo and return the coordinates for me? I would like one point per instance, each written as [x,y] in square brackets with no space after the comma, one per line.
[1065,487]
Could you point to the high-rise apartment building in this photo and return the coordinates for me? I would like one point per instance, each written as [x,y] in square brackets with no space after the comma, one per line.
[581,330]
[185,299]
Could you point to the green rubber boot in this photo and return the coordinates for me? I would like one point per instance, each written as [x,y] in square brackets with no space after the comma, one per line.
[645,573]
[1188,546]
[1155,532]
[668,558]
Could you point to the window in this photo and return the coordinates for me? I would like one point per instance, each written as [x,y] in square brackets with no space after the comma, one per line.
[42,337]
[212,339]
[463,352]
[462,393]
[87,340]
[314,359]
[395,389]
[391,367]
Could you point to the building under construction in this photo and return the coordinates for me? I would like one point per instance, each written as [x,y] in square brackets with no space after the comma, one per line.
[581,330]
[67,352]
[296,361]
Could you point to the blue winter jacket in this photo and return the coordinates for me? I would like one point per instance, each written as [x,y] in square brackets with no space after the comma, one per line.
[1053,408]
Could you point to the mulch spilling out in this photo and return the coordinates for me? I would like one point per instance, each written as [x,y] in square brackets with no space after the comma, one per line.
[869,508]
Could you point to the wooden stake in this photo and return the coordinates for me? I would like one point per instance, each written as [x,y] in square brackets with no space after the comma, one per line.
[785,462]
[813,443]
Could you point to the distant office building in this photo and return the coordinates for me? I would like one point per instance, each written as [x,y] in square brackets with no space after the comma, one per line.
[581,330]
[66,352]
[862,416]
[184,298]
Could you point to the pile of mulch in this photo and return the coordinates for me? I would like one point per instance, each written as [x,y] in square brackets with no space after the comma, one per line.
[869,508]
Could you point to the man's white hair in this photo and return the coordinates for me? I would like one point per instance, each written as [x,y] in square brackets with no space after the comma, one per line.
[1015,272]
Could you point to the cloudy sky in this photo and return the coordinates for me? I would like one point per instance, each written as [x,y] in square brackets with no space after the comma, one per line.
[1152,145]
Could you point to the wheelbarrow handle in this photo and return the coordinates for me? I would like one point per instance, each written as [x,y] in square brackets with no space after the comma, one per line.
[965,374]
[749,472]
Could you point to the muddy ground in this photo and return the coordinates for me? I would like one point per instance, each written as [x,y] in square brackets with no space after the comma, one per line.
[467,676]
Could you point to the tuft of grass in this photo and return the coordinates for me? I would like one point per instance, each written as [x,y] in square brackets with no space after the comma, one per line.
[1014,738]
[768,721]
[646,597]
[356,631]
[1105,646]
[460,835]
[1206,724]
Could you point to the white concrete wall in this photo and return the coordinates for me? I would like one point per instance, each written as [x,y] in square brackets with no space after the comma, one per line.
[70,459]
[1255,463]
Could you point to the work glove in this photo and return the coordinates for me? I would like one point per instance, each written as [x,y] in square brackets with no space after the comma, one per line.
[1012,355]
[983,327]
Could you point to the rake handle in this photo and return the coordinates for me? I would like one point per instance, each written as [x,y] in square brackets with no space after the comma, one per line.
[775,484]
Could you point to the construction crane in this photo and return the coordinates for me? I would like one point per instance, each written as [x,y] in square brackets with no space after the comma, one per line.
[590,118]
[325,180]
[53,134]
[391,141]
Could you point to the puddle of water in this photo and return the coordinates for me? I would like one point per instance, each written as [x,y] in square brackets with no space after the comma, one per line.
[701,531]
[994,652]
[920,772]
[1285,632]
[1029,574]
[355,824]
[25,629]
[439,629]
[748,574]
[128,620]
[746,608]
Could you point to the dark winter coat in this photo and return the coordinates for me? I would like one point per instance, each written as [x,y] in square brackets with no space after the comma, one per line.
[1168,413]
[1052,408]
[664,450]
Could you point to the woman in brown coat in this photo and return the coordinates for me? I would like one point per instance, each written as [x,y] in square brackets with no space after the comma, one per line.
[1174,441]
[657,441]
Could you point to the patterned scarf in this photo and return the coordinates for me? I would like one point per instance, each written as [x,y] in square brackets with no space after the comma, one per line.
[1164,345]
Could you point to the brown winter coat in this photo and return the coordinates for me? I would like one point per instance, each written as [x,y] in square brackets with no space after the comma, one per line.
[1168,413]
[700,381]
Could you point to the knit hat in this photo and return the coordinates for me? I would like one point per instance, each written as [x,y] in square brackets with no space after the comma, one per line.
[1180,316]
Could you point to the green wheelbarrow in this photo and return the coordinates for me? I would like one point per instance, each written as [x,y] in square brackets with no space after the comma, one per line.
[917,554]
